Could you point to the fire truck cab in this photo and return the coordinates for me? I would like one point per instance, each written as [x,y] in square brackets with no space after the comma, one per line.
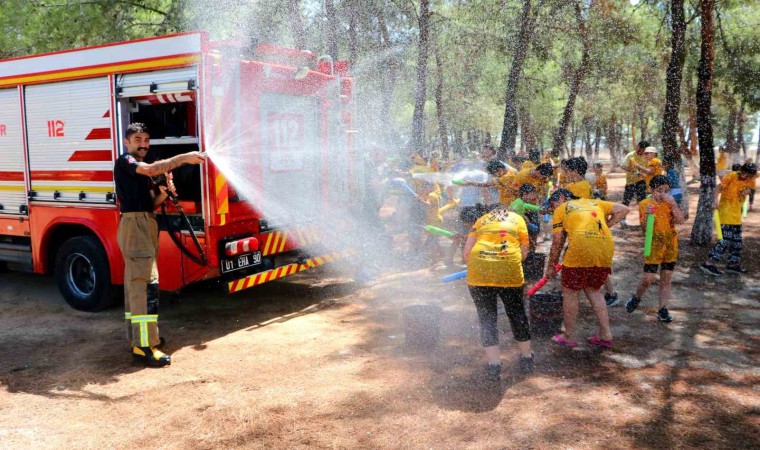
[280,117]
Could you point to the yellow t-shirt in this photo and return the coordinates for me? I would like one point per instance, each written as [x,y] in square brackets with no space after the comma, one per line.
[496,259]
[529,165]
[731,198]
[601,184]
[507,193]
[434,218]
[580,189]
[722,163]
[523,177]
[589,240]
[656,165]
[635,176]
[665,236]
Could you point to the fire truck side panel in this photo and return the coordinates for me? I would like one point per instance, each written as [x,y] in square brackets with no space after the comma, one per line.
[48,223]
[69,141]
[12,168]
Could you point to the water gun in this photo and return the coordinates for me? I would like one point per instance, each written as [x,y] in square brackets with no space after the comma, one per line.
[448,206]
[400,183]
[718,230]
[439,231]
[745,206]
[547,216]
[537,287]
[649,234]
[454,276]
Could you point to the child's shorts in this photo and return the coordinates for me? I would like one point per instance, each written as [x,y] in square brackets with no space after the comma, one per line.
[577,278]
[664,249]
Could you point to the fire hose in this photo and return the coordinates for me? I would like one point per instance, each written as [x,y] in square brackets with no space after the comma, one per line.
[200,258]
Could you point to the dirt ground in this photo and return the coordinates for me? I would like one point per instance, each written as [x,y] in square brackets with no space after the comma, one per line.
[321,362]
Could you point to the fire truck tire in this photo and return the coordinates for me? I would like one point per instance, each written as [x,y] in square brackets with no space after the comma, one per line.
[83,274]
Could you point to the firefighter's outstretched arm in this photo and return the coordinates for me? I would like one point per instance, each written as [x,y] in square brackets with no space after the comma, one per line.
[165,165]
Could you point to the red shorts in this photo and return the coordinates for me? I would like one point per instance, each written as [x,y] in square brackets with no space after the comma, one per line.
[577,278]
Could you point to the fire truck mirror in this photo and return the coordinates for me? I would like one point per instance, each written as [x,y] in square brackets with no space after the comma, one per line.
[23,209]
[110,197]
[56,195]
[31,195]
[82,195]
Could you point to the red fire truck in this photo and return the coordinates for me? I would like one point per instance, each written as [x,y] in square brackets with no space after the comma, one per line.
[285,113]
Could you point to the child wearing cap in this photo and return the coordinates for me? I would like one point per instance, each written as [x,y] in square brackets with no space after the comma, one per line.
[653,166]
[732,190]
[664,252]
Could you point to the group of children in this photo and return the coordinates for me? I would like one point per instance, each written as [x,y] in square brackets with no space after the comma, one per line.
[523,191]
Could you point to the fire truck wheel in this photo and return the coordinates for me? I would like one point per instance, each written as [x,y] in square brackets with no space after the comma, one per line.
[83,275]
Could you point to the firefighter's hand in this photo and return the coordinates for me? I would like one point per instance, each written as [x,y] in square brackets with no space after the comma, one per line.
[194,158]
[170,184]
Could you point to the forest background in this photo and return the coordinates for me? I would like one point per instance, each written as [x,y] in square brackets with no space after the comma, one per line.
[441,77]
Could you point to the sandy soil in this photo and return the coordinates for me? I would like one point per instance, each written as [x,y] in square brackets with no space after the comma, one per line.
[321,362]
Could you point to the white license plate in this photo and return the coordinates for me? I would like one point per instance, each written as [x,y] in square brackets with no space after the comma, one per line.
[240,262]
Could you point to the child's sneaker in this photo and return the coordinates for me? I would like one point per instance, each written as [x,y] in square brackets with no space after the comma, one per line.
[611,299]
[664,316]
[710,269]
[526,365]
[632,304]
[493,372]
[739,270]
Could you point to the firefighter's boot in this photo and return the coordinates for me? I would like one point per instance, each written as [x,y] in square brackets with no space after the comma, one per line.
[151,356]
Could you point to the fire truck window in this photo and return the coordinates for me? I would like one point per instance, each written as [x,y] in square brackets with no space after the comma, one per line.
[164,121]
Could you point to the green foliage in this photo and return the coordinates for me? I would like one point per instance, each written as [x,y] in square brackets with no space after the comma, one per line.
[629,52]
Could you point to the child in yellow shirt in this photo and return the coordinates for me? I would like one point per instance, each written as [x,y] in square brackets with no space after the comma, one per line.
[664,253]
[732,190]
[600,185]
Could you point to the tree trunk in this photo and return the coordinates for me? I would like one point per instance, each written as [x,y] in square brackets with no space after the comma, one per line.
[422,57]
[331,30]
[296,24]
[701,232]
[597,141]
[509,130]
[644,125]
[740,119]
[575,85]
[443,131]
[353,44]
[391,74]
[587,137]
[527,133]
[731,147]
[673,78]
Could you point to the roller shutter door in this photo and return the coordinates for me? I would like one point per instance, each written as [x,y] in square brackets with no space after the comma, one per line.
[12,185]
[69,140]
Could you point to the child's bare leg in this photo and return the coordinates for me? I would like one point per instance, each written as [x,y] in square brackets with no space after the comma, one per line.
[570,313]
[608,288]
[596,299]
[666,276]
[646,281]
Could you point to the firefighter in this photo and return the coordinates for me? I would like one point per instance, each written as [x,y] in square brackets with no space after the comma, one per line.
[138,238]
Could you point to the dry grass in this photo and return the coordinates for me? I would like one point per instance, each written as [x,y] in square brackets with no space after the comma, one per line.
[324,365]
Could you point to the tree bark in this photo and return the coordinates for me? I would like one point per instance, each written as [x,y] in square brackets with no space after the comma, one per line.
[509,130]
[567,114]
[331,30]
[443,131]
[353,43]
[422,57]
[731,147]
[597,141]
[527,132]
[701,232]
[740,119]
[296,24]
[390,76]
[673,78]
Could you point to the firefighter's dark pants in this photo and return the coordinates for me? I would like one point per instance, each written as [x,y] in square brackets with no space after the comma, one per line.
[138,240]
